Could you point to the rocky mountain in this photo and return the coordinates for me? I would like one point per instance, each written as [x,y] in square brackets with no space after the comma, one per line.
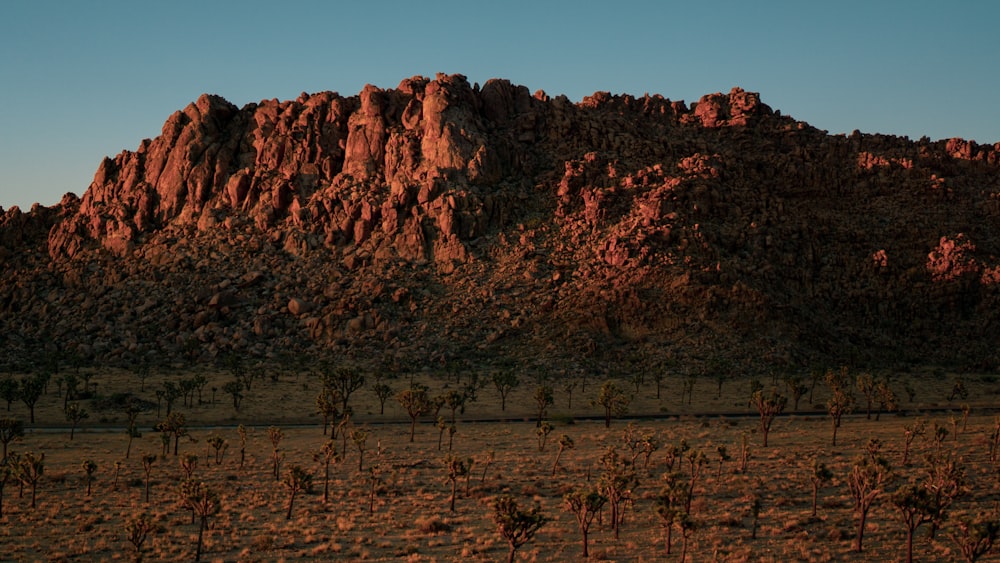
[447,224]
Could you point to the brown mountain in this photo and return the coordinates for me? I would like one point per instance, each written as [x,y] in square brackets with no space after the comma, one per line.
[443,223]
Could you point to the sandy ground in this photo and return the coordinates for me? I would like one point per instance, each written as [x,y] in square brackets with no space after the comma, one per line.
[410,517]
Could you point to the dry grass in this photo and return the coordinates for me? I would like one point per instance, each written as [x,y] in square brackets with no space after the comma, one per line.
[411,520]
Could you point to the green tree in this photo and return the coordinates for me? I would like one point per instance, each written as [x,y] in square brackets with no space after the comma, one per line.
[515,525]
[915,504]
[344,381]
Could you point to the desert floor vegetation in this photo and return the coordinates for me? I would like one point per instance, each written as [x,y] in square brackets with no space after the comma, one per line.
[700,468]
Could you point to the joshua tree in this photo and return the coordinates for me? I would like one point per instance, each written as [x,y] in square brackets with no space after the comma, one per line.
[866,384]
[242,431]
[945,478]
[137,529]
[30,471]
[568,386]
[416,403]
[171,391]
[565,443]
[885,397]
[616,484]
[543,432]
[74,415]
[147,467]
[327,454]
[359,437]
[383,392]
[30,392]
[89,467]
[344,381]
[203,502]
[769,407]
[745,453]
[820,474]
[505,381]
[515,525]
[915,504]
[670,503]
[296,481]
[10,391]
[326,406]
[374,474]
[455,401]
[867,481]
[723,457]
[910,433]
[796,388]
[613,400]
[118,470]
[6,474]
[543,400]
[235,389]
[189,462]
[275,435]
[142,371]
[975,536]
[456,468]
[219,445]
[11,430]
[958,390]
[174,425]
[687,386]
[839,405]
[486,465]
[132,410]
[585,505]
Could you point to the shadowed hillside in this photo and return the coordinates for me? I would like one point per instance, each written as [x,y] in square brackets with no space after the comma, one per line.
[442,223]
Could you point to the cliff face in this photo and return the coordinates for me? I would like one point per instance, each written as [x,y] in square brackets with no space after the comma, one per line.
[441,222]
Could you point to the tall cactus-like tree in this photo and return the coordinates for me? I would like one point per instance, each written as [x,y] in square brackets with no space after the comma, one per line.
[505,382]
[31,470]
[203,502]
[613,400]
[31,389]
[147,467]
[915,504]
[137,529]
[867,480]
[89,467]
[11,430]
[327,454]
[456,468]
[839,404]
[174,426]
[515,525]
[820,474]
[975,535]
[75,414]
[585,506]
[296,480]
[544,398]
[416,403]
[276,435]
[769,406]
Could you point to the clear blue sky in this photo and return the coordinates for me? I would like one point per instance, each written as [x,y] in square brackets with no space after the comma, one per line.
[80,80]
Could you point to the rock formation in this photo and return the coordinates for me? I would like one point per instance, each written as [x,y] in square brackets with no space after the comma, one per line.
[443,222]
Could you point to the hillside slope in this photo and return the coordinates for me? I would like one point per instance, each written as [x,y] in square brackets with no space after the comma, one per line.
[447,224]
